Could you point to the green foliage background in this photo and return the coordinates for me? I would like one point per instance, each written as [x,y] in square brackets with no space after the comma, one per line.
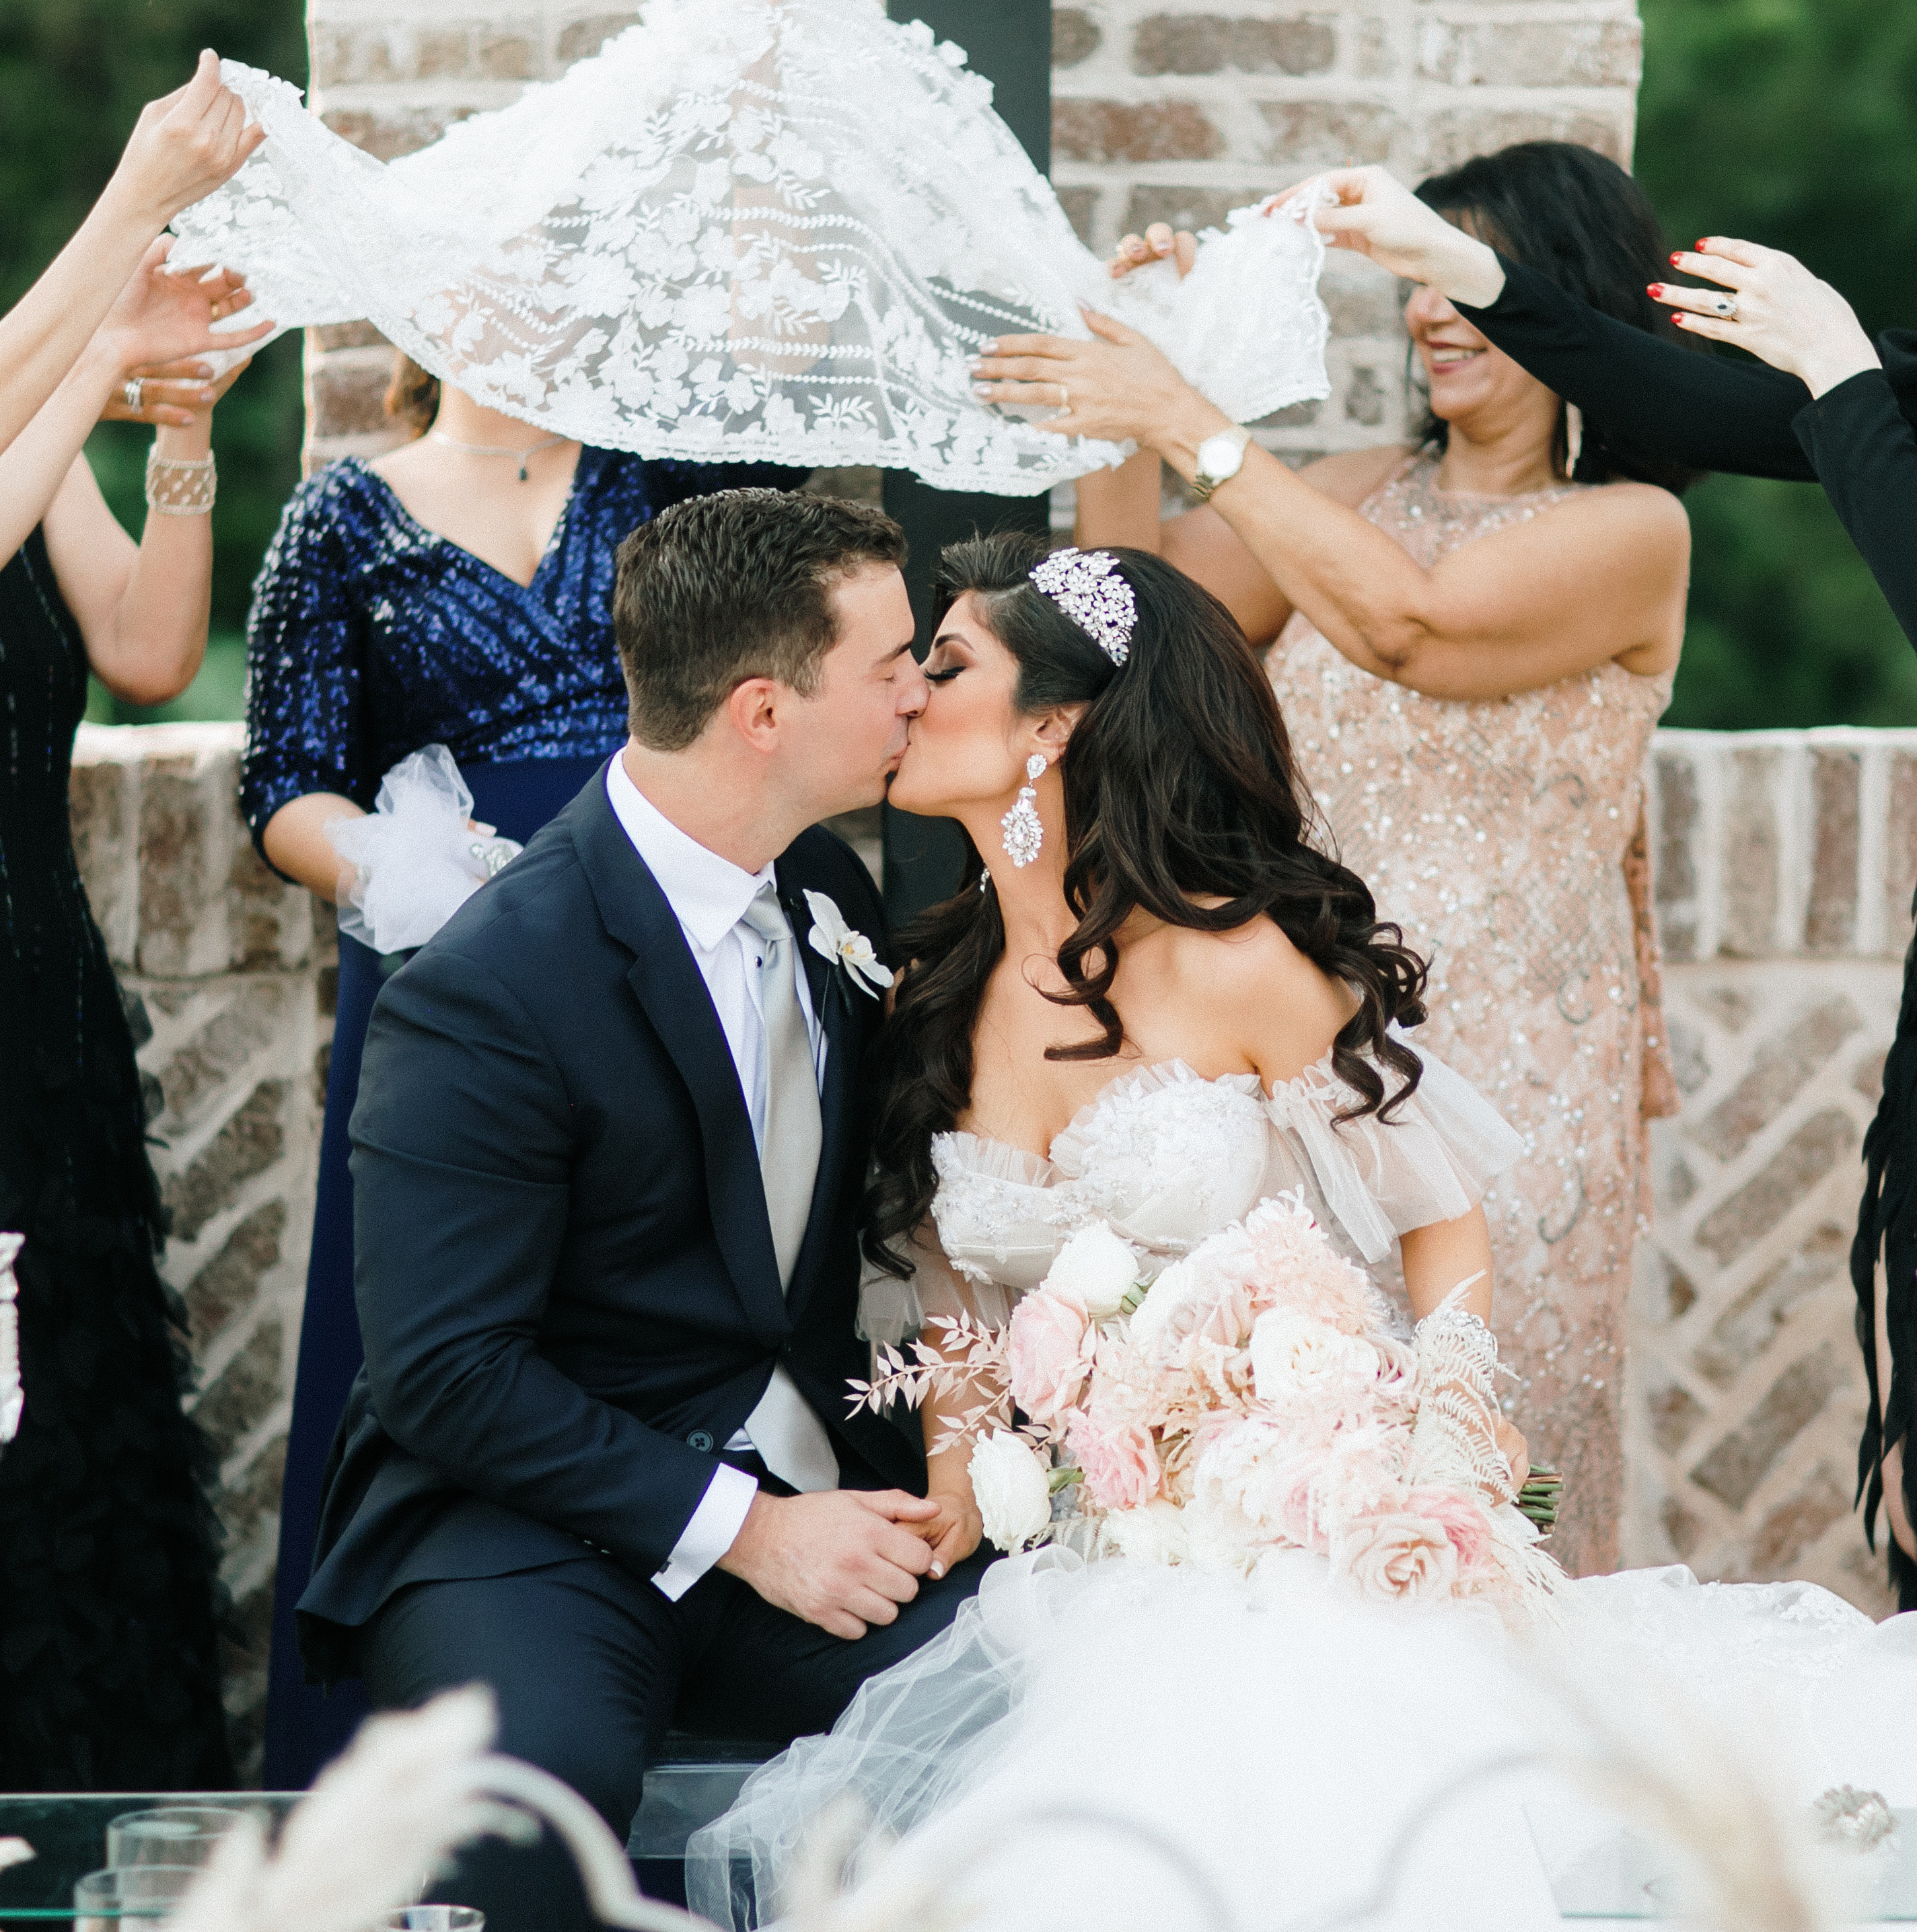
[1792,122]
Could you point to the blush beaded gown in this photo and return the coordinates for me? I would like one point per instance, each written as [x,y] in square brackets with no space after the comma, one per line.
[1505,835]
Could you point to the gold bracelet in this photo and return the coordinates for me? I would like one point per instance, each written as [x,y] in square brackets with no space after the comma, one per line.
[180,486]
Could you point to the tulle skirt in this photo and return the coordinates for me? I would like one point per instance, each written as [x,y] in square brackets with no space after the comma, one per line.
[1118,1743]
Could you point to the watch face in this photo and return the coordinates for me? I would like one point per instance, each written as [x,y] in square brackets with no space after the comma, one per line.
[1221,455]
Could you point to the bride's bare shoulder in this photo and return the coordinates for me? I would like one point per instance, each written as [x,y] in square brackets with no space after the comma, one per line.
[1278,1009]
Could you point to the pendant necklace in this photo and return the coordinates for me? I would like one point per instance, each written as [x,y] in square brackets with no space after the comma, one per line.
[521,456]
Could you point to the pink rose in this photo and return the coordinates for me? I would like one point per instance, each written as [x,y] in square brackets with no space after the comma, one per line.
[1120,1465]
[1465,1523]
[1397,1556]
[1048,1354]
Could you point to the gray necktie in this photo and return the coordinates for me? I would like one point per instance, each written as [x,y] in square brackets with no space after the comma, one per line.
[788,1152]
[783,1427]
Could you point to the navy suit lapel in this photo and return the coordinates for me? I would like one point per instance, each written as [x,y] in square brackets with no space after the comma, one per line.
[668,984]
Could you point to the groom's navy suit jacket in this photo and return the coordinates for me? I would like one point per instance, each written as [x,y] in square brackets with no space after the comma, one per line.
[564,1268]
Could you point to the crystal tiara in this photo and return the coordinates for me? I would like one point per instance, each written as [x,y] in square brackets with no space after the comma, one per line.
[1086,585]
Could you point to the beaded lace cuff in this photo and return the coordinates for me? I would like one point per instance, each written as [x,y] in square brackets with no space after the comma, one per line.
[180,486]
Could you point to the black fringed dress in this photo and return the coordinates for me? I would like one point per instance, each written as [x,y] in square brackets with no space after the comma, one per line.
[108,1548]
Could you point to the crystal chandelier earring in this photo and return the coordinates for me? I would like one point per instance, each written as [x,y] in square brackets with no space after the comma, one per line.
[1023,834]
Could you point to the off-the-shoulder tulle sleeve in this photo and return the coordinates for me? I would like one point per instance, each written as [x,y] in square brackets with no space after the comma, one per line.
[892,1310]
[1431,1162]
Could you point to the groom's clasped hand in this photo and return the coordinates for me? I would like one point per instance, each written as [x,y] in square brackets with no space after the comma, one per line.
[842,1559]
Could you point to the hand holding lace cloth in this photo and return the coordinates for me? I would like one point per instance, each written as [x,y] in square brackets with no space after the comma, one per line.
[768,230]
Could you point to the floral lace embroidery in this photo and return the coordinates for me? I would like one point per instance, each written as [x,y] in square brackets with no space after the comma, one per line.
[746,230]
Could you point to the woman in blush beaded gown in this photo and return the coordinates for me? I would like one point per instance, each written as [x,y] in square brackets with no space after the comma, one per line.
[456,591]
[1473,644]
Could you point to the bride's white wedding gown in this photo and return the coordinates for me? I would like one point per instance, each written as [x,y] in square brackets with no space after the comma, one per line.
[1049,1759]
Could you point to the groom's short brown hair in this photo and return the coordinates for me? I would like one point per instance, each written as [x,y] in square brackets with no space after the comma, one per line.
[720,589]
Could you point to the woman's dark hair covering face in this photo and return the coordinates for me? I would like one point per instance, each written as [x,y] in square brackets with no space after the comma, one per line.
[1178,787]
[1580,221]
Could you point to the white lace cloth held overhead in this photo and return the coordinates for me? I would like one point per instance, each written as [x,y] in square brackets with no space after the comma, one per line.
[1168,1158]
[776,230]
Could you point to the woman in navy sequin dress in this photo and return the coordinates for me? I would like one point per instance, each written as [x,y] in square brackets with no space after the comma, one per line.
[457,592]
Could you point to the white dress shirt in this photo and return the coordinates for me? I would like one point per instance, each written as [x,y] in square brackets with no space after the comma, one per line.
[709,895]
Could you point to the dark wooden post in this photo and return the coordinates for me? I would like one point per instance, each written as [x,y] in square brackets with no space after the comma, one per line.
[1010,42]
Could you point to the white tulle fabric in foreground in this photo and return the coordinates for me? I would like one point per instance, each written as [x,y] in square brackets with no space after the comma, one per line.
[773,230]
[1276,1735]
[416,856]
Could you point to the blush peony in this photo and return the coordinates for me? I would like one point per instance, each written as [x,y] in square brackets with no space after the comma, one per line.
[1048,1354]
[1120,1465]
[1012,1487]
[1466,1521]
[1397,1556]
[1098,1268]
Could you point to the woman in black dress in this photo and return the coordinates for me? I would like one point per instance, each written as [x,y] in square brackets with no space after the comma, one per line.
[1832,407]
[108,1548]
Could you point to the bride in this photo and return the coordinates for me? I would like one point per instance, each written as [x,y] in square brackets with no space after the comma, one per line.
[1153,1005]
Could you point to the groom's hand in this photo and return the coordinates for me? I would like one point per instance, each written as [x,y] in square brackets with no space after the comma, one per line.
[842,1559]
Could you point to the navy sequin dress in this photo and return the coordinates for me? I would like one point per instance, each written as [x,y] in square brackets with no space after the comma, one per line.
[371,637]
[109,1677]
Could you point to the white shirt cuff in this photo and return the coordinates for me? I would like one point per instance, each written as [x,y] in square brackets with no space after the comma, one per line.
[714,1527]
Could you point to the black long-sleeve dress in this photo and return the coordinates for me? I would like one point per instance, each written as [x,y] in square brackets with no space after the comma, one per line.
[1641,393]
[109,1550]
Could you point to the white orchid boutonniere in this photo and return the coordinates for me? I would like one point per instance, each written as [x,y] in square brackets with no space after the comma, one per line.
[848,949]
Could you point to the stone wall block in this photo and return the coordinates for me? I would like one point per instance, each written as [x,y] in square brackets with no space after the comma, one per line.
[1899,880]
[1457,133]
[105,791]
[187,825]
[1302,135]
[1778,1187]
[250,1141]
[385,133]
[228,1285]
[1677,809]
[1831,917]
[1752,841]
[1520,53]
[1192,44]
[580,39]
[1738,1464]
[1076,36]
[1782,1065]
[1121,130]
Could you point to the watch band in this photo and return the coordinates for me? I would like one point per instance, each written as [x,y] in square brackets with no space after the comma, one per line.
[1204,484]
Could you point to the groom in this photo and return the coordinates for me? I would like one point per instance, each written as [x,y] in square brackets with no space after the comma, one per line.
[607,1161]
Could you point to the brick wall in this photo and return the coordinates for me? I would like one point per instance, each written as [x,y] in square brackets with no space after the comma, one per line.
[1785,865]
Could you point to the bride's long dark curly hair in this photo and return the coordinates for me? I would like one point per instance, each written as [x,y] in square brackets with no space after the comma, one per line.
[1179,785]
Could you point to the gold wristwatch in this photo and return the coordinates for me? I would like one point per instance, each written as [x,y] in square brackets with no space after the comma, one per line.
[1220,457]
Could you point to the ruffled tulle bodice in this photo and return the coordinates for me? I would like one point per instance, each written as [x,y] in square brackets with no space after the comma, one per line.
[1168,1158]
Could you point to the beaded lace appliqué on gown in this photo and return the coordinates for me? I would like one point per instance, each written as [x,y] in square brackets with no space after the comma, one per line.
[1497,832]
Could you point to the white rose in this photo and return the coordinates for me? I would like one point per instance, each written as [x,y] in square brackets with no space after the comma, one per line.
[1178,1284]
[1097,1267]
[1012,1487]
[1291,1350]
[1154,1533]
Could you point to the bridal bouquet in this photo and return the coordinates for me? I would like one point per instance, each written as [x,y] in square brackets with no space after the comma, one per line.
[1252,1398]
